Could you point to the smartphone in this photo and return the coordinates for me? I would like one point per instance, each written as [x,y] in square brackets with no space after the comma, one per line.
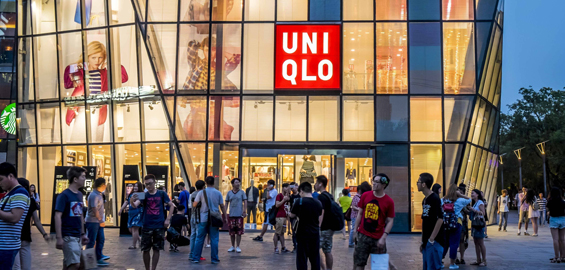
[140,195]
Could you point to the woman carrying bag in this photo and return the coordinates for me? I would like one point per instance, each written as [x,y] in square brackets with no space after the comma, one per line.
[478,225]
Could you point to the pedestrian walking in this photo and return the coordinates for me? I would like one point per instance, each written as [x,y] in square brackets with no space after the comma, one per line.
[452,204]
[364,187]
[69,219]
[542,210]
[485,201]
[210,220]
[281,205]
[345,203]
[23,258]
[236,202]
[195,216]
[307,211]
[293,198]
[134,215]
[252,198]
[533,210]
[154,221]
[326,231]
[33,193]
[503,205]
[432,220]
[375,222]
[270,194]
[478,227]
[184,196]
[95,221]
[523,210]
[464,240]
[556,211]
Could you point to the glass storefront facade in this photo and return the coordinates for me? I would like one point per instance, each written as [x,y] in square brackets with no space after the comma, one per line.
[187,88]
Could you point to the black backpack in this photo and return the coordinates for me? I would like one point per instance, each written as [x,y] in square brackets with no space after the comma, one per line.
[336,218]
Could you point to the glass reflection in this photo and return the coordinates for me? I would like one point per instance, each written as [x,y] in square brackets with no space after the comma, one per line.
[459,58]
[392,58]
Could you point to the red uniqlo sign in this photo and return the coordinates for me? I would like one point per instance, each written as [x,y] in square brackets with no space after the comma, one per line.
[308,57]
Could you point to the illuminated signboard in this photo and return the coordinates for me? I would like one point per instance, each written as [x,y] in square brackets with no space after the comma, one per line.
[308,57]
[8,118]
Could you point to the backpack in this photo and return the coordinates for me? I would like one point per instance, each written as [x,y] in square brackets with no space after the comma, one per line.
[449,216]
[336,218]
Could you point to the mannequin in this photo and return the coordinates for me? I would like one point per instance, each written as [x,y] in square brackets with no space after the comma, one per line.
[226,187]
[308,172]
[350,174]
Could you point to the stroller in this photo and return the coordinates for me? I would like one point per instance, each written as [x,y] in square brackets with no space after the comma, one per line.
[176,240]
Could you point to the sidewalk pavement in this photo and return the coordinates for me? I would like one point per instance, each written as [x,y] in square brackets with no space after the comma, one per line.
[504,251]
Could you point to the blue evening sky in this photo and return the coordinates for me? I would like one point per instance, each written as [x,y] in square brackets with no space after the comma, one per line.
[533,48]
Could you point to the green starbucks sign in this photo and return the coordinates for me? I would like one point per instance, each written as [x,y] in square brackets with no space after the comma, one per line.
[8,118]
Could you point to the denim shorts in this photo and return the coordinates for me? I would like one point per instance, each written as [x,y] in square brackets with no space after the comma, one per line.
[557,222]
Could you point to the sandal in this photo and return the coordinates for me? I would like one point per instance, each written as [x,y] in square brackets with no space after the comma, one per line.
[554,260]
[132,247]
[483,264]
[476,263]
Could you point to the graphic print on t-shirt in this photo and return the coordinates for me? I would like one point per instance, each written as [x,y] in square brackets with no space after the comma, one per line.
[76,209]
[371,217]
[425,210]
[153,205]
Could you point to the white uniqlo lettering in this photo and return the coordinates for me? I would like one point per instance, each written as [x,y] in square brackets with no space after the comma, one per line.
[321,65]
[294,43]
[290,77]
[309,43]
[305,76]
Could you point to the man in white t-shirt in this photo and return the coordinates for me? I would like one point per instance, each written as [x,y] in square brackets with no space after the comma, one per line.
[503,202]
[271,197]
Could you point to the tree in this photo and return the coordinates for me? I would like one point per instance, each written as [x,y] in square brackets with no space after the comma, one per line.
[537,117]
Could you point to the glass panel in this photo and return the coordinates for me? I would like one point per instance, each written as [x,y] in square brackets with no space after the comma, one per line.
[227,10]
[122,11]
[100,125]
[425,58]
[25,77]
[457,9]
[194,157]
[485,9]
[425,119]
[162,10]
[124,58]
[147,77]
[292,10]
[453,155]
[485,124]
[425,158]
[392,159]
[392,55]
[226,53]
[49,157]
[358,118]
[357,10]
[96,64]
[126,121]
[101,157]
[483,39]
[42,15]
[392,118]
[464,163]
[24,18]
[163,50]
[27,124]
[71,66]
[27,166]
[388,10]
[74,125]
[459,58]
[193,58]
[191,118]
[357,171]
[358,55]
[424,10]
[457,114]
[323,119]
[257,122]
[224,118]
[260,10]
[290,122]
[155,124]
[488,136]
[476,131]
[494,137]
[76,155]
[325,10]
[191,10]
[157,162]
[49,123]
[126,154]
[45,75]
[228,169]
[259,44]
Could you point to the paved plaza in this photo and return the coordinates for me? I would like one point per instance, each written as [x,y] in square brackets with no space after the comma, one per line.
[504,251]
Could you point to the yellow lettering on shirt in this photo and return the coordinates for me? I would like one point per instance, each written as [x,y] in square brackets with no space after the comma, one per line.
[372,211]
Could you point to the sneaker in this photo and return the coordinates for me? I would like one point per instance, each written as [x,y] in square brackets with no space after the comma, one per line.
[258,238]
[207,245]
[486,235]
[238,250]
[456,261]
[232,249]
[104,257]
[442,266]
[504,230]
[535,235]
[526,233]
[276,250]
[194,261]
[462,262]
[202,258]
[519,233]
[102,263]
[499,229]
[215,262]
[454,266]
[284,250]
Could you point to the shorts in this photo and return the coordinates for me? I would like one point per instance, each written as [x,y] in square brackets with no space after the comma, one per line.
[364,248]
[152,238]
[72,250]
[478,233]
[326,241]
[557,222]
[236,225]
[523,217]
[266,222]
[280,226]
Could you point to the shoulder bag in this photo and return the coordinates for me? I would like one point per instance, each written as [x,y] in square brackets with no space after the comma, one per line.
[478,221]
[214,217]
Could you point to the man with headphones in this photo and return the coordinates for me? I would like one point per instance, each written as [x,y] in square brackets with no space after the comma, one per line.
[374,222]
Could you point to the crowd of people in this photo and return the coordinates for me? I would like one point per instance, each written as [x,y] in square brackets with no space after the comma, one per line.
[307,212]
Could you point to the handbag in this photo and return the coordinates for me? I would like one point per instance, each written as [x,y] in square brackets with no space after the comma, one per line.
[348,214]
[214,218]
[478,222]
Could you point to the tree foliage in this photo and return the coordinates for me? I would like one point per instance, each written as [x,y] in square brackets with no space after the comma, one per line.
[539,116]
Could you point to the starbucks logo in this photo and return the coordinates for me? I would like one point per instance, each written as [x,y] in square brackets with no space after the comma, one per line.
[8,118]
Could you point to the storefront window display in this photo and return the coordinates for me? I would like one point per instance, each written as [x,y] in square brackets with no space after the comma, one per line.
[388,10]
[227,10]
[226,54]
[424,158]
[157,162]
[49,157]
[459,58]
[155,121]
[162,10]
[26,113]
[392,58]
[358,64]
[190,118]
[193,60]
[457,9]
[357,171]
[44,75]
[224,118]
[194,158]
[355,10]
[425,119]
[101,157]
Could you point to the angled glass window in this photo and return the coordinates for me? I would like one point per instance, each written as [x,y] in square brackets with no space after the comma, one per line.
[491,125]
[388,10]
[27,124]
[45,53]
[457,114]
[358,55]
[124,52]
[483,41]
[478,121]
[155,124]
[290,119]
[357,10]
[24,18]
[190,120]
[392,58]
[257,119]
[392,118]
[485,124]
[425,119]
[453,156]
[48,123]
[126,121]
[155,155]
[425,58]
[358,122]
[260,10]
[424,9]
[323,118]
[162,39]
[258,54]
[226,54]
[424,158]
[224,118]
[193,60]
[25,78]
[292,10]
[459,58]
[457,9]
[194,158]
[162,10]
[485,9]
[325,10]
[191,10]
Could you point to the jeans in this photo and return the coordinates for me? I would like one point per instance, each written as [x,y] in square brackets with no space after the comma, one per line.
[95,235]
[542,217]
[503,215]
[7,257]
[23,258]
[451,242]
[432,256]
[252,207]
[307,249]
[193,233]
[203,229]
[351,240]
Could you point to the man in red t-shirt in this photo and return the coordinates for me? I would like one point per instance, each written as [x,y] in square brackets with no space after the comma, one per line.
[374,223]
[280,227]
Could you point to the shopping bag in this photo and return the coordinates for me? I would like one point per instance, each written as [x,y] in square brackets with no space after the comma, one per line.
[379,261]
[89,258]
